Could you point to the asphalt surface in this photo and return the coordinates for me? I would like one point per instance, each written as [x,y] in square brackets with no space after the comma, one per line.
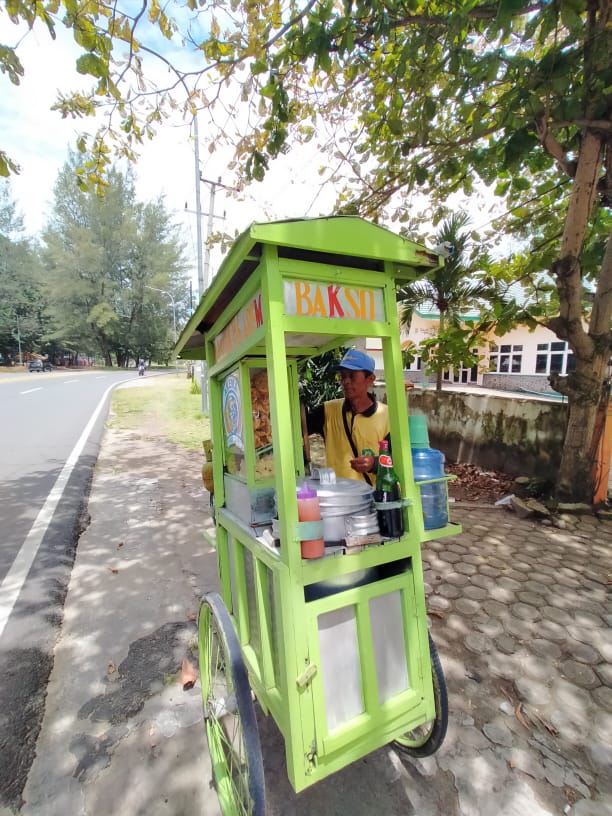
[520,612]
[52,425]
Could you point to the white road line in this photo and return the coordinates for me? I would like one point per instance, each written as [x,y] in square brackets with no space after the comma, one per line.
[31,390]
[15,578]
[67,382]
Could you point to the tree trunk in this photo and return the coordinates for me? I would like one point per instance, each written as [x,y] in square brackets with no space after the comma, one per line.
[591,345]
[439,371]
[584,389]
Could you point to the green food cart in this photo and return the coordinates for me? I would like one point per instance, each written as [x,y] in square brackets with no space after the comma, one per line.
[351,667]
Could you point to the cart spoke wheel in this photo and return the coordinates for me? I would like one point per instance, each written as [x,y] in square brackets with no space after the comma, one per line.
[231,725]
[427,738]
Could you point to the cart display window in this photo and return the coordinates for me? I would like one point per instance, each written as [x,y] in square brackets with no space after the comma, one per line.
[248,447]
[232,424]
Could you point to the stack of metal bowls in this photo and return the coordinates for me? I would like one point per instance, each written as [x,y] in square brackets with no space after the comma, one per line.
[342,500]
[362,525]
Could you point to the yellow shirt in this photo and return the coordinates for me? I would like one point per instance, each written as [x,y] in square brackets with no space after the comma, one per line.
[367,431]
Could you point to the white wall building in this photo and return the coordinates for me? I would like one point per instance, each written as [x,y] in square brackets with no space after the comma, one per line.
[520,360]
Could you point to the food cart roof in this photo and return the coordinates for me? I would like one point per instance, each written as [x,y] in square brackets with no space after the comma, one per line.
[343,240]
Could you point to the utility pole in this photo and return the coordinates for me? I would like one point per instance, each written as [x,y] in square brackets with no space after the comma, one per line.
[206,274]
[198,206]
[209,228]
[19,339]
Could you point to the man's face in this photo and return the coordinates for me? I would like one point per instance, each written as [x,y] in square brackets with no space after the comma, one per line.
[355,384]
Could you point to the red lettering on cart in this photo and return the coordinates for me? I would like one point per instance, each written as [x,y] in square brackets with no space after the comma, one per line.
[240,328]
[258,311]
[334,303]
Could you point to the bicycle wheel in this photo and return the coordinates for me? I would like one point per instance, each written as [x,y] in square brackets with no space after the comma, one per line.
[427,738]
[231,725]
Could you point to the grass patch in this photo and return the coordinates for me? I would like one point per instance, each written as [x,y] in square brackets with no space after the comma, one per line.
[166,402]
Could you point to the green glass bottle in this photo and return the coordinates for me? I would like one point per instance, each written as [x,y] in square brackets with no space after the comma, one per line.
[390,519]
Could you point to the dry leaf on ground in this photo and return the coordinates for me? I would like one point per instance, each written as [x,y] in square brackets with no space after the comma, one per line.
[188,675]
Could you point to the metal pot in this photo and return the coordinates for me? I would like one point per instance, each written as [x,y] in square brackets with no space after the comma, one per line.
[340,499]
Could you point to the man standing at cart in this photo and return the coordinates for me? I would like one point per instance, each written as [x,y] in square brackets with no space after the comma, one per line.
[352,427]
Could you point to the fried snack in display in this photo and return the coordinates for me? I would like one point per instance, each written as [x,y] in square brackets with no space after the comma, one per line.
[260,403]
[264,467]
[262,429]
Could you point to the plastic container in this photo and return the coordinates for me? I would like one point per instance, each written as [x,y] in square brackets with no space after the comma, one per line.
[338,501]
[428,463]
[309,510]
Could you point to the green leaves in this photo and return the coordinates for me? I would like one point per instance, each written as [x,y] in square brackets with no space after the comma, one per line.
[572,15]
[92,64]
[22,293]
[10,64]
[458,286]
[317,378]
[517,145]
[7,165]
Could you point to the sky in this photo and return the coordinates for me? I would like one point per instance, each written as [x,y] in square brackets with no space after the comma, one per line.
[38,140]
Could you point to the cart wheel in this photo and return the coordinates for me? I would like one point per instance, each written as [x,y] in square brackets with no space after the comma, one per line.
[231,725]
[427,738]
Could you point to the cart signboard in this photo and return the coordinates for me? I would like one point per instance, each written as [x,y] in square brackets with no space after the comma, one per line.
[316,299]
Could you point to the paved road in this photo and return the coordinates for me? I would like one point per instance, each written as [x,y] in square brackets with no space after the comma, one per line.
[51,425]
[42,417]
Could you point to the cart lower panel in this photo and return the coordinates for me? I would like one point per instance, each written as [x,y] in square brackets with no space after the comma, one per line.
[341,675]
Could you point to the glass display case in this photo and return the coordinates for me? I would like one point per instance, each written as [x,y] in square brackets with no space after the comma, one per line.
[248,450]
[262,429]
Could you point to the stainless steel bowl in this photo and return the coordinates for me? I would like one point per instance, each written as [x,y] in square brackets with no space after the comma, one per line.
[361,525]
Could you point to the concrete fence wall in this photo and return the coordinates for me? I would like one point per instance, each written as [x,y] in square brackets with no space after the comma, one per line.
[517,436]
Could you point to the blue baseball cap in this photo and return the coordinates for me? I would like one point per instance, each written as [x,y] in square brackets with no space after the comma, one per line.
[356,360]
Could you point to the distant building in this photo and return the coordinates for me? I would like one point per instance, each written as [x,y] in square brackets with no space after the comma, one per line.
[520,360]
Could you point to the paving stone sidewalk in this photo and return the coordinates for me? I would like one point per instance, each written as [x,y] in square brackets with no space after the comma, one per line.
[522,618]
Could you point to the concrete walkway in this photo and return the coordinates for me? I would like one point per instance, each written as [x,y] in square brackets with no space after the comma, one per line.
[520,612]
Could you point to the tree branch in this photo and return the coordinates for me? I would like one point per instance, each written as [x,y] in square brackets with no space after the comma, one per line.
[479,13]
[552,146]
[132,38]
[603,125]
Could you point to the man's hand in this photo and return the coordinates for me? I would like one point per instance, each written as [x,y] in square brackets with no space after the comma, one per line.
[363,464]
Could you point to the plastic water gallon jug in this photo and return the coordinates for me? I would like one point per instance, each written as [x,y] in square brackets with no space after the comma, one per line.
[428,463]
